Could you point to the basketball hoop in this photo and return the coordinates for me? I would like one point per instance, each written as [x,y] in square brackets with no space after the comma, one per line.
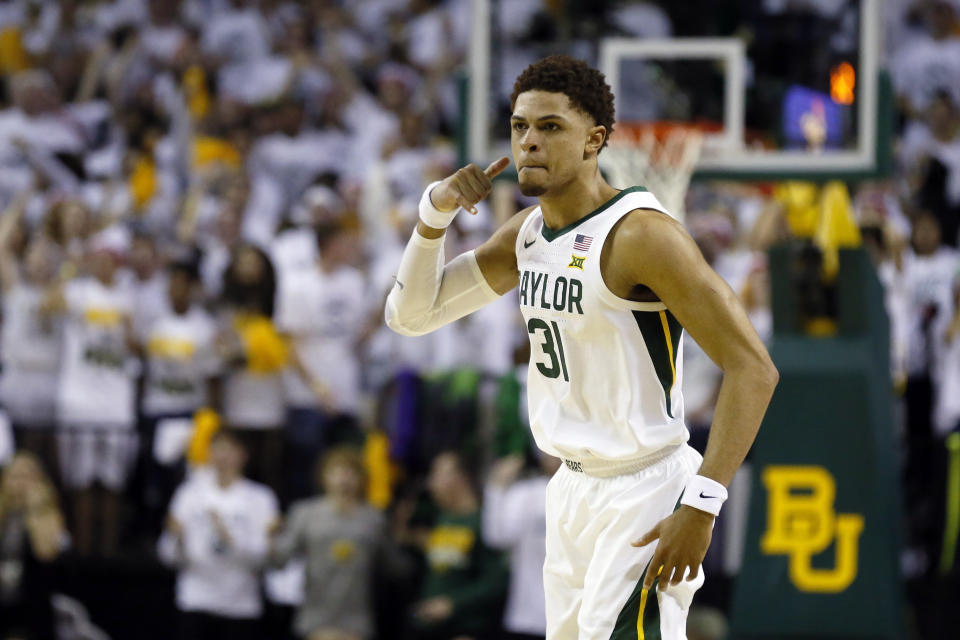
[660,156]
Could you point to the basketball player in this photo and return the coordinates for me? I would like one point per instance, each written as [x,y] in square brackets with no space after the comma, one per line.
[607,283]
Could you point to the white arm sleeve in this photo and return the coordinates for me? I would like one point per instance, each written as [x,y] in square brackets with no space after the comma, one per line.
[428,295]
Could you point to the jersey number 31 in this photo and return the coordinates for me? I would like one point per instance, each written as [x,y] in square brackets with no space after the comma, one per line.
[553,348]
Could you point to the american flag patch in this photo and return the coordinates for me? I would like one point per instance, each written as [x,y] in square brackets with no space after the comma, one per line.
[582,242]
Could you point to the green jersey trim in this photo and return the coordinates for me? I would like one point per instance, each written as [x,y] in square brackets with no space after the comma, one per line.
[661,333]
[550,235]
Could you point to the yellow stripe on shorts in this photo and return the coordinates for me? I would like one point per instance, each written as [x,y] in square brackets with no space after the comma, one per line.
[643,605]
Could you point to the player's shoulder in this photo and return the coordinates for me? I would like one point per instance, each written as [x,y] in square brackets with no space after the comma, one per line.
[648,239]
[648,226]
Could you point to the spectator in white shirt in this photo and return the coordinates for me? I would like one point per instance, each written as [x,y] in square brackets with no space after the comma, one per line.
[236,35]
[96,410]
[180,358]
[42,121]
[29,338]
[181,378]
[163,36]
[149,282]
[216,247]
[514,519]
[947,409]
[294,248]
[928,275]
[323,311]
[939,159]
[217,538]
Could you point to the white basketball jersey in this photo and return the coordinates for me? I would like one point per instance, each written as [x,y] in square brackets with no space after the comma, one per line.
[605,373]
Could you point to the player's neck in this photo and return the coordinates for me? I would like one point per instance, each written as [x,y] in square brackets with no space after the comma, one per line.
[577,199]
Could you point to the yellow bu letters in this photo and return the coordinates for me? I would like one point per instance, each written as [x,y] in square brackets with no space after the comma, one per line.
[801,522]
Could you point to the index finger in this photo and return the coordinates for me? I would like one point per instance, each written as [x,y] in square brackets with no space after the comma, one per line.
[653,571]
[648,537]
[496,167]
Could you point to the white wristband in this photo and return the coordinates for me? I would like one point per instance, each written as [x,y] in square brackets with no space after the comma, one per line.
[704,494]
[430,215]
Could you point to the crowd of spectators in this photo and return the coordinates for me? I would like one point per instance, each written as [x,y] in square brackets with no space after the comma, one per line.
[204,202]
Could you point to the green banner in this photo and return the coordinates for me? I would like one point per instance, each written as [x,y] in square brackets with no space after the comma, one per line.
[822,547]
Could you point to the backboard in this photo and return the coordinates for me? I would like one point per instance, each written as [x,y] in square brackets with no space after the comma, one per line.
[780,90]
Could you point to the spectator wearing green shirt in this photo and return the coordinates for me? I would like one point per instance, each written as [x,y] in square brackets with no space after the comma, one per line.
[463,592]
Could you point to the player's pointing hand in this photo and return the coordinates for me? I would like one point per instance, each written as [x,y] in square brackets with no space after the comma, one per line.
[684,537]
[467,186]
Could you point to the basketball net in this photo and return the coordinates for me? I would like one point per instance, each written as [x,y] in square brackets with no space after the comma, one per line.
[658,156]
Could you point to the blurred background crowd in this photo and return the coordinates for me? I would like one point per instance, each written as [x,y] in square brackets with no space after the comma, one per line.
[208,432]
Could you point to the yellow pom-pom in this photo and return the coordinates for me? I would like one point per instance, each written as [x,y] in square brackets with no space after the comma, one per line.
[13,55]
[381,472]
[836,228]
[799,199]
[265,349]
[207,150]
[195,89]
[143,181]
[206,422]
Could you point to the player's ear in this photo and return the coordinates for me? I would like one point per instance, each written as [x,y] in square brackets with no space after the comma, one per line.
[595,137]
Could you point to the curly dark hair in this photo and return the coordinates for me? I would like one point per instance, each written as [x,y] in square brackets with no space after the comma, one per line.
[586,87]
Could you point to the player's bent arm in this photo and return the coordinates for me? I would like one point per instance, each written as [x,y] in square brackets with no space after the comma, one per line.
[497,257]
[429,294]
[672,266]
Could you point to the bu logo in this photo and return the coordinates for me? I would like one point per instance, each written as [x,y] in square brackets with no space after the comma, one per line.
[801,522]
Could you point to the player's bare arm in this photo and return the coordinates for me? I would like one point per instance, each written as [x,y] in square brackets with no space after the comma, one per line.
[497,256]
[429,292]
[652,249]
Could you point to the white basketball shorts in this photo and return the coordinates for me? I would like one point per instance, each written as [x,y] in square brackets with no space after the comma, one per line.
[592,577]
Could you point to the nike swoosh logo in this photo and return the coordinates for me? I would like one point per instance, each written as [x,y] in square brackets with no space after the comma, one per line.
[399,284]
[708,497]
[526,244]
